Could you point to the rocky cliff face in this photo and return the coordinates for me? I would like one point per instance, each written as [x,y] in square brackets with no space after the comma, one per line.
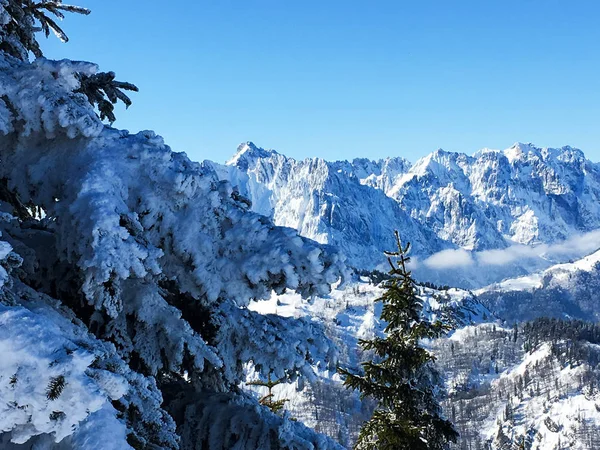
[523,194]
[491,200]
[328,203]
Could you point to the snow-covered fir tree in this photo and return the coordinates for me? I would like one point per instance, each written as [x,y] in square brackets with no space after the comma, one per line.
[22,19]
[126,271]
[400,377]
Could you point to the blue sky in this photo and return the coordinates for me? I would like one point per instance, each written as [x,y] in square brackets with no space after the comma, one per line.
[342,79]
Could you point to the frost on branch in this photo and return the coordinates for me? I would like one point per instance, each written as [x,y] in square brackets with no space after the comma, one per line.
[37,99]
[229,421]
[283,346]
[84,85]
[100,85]
[58,383]
[44,372]
[139,211]
[22,19]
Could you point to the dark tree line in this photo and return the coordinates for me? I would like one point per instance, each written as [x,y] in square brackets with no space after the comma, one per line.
[487,351]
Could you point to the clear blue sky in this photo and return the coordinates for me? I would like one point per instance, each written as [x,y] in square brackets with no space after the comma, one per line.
[341,79]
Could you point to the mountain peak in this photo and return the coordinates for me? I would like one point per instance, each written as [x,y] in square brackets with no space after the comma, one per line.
[246,152]
[246,146]
[518,150]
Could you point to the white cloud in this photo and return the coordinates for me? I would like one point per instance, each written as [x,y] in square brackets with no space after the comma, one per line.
[508,255]
[583,243]
[574,247]
[449,258]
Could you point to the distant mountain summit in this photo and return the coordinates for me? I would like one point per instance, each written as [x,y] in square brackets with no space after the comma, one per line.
[490,200]
[495,198]
[247,153]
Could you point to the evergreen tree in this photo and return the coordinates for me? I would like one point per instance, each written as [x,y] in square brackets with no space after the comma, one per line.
[267,400]
[153,336]
[408,416]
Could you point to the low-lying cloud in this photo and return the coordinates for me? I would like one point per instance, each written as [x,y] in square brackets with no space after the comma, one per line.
[450,258]
[574,247]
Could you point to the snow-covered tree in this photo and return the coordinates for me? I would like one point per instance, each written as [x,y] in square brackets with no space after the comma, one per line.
[400,375]
[134,267]
[21,20]
[103,91]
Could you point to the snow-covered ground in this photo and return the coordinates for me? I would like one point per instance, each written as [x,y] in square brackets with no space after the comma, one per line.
[559,273]
[484,364]
[502,395]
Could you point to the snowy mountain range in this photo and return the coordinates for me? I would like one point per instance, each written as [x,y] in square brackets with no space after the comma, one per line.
[325,203]
[493,200]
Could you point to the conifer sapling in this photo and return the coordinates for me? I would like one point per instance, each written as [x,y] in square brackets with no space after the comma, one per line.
[267,400]
[408,416]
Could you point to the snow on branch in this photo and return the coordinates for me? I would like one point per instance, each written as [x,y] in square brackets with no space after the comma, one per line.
[284,346]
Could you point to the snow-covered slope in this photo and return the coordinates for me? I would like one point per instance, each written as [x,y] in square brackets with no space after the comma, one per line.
[533,387]
[559,274]
[536,383]
[563,290]
[347,314]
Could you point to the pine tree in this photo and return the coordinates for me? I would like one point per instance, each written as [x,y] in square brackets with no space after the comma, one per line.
[267,400]
[408,416]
